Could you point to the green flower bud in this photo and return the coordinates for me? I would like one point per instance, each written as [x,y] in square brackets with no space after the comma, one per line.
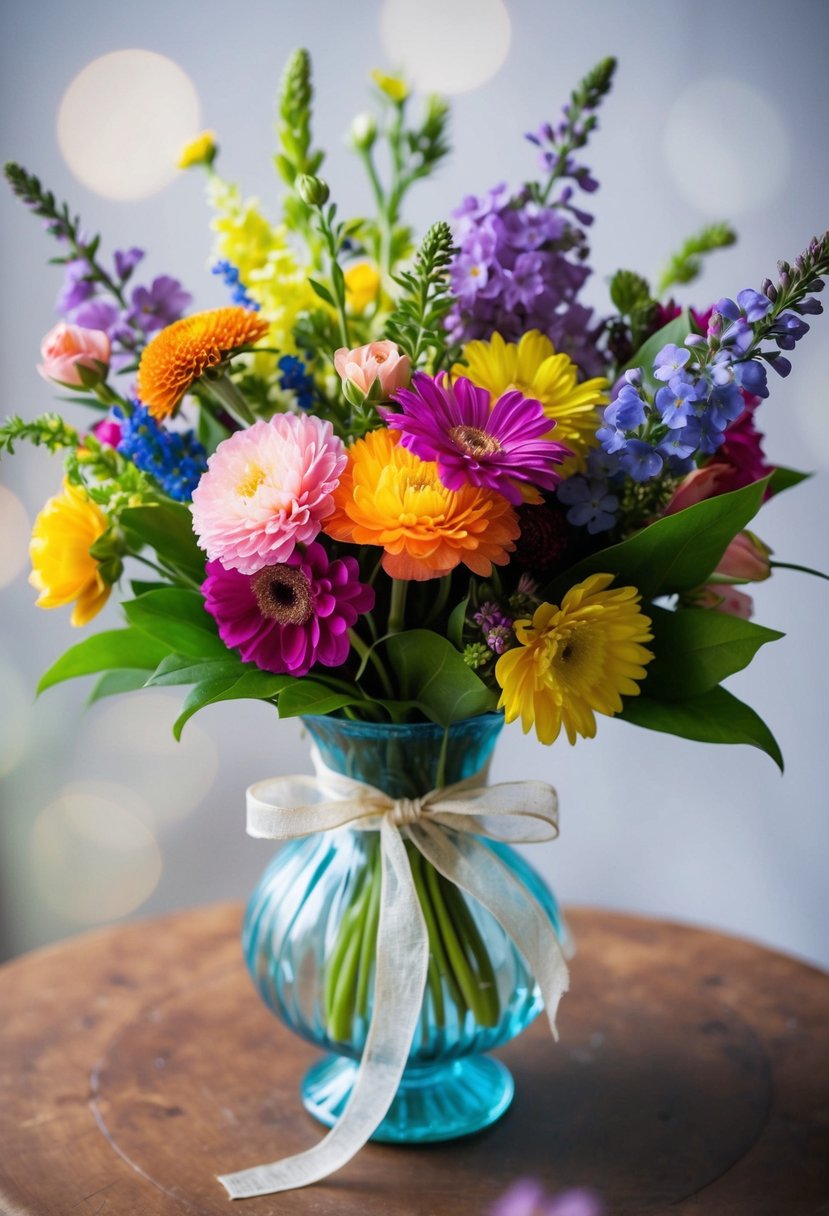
[312,190]
[363,132]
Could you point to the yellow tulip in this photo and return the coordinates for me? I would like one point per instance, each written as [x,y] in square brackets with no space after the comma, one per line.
[63,569]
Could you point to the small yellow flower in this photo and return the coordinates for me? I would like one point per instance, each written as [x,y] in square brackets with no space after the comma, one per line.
[200,151]
[576,660]
[63,569]
[533,367]
[362,283]
[394,87]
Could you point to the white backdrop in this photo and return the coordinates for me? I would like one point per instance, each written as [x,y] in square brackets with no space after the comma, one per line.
[718,112]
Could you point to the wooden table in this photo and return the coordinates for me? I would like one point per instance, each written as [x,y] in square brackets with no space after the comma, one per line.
[137,1063]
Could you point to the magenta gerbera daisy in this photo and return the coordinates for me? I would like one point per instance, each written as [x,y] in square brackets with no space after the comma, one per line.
[287,617]
[497,447]
[266,490]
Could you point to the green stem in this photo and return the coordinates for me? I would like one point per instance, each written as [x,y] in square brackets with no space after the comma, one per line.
[438,966]
[465,978]
[334,994]
[368,654]
[469,934]
[397,606]
[368,945]
[223,389]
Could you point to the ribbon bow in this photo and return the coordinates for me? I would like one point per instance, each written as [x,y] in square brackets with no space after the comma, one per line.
[443,825]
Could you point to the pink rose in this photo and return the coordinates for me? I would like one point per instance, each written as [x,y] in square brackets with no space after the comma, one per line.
[746,559]
[67,348]
[378,361]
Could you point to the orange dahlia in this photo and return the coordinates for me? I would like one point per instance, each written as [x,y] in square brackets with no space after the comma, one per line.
[387,496]
[185,350]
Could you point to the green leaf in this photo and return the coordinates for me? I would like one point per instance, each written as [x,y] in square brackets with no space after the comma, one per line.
[167,528]
[178,669]
[716,716]
[676,553]
[179,618]
[257,685]
[455,624]
[308,697]
[629,291]
[783,479]
[675,331]
[114,682]
[696,648]
[115,649]
[431,672]
[321,291]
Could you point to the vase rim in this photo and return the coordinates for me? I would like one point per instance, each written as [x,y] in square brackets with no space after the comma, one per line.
[390,729]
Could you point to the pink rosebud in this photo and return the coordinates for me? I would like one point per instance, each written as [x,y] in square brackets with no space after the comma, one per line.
[378,361]
[746,559]
[726,599]
[67,348]
[711,479]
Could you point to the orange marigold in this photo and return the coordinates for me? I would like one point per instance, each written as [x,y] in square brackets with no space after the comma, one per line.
[183,351]
[387,496]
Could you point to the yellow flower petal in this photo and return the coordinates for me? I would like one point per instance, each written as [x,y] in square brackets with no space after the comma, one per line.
[576,660]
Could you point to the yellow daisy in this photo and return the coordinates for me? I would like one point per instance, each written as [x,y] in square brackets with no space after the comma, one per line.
[576,660]
[533,367]
[63,569]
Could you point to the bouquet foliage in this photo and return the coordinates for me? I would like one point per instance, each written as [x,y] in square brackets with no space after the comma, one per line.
[397,480]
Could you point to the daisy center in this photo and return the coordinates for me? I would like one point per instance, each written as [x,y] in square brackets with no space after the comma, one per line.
[473,441]
[283,595]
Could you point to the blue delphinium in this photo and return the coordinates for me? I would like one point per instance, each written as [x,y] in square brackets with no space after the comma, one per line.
[295,377]
[590,496]
[175,459]
[238,292]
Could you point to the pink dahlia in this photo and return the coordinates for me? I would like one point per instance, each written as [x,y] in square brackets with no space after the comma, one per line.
[498,448]
[291,615]
[266,490]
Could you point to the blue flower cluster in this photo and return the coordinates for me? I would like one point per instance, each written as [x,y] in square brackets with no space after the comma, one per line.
[175,459]
[295,377]
[703,387]
[590,496]
[238,292]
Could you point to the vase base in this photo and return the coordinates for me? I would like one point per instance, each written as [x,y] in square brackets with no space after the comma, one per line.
[435,1102]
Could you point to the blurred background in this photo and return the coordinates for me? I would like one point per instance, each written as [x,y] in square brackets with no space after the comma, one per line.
[718,112]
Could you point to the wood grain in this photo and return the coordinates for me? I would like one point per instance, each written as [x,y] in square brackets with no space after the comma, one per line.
[137,1063]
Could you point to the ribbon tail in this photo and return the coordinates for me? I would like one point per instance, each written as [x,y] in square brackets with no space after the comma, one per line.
[474,867]
[400,981]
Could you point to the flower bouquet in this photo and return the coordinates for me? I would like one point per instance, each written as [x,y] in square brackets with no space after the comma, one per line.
[410,491]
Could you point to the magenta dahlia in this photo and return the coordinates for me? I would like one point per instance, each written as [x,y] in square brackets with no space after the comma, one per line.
[287,617]
[499,448]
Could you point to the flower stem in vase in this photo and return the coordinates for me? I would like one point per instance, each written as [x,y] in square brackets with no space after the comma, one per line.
[342,967]
[458,934]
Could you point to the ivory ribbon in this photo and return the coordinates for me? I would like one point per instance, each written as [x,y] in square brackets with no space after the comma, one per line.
[443,825]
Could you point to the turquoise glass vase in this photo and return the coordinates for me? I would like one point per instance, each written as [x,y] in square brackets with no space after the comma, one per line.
[310,931]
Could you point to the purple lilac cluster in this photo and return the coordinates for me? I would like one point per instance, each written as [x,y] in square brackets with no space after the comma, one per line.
[128,317]
[495,625]
[175,459]
[229,275]
[520,265]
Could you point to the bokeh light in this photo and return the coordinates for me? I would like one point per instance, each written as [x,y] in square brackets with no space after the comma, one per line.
[15,528]
[726,147]
[134,734]
[446,46]
[91,859]
[123,120]
[15,715]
